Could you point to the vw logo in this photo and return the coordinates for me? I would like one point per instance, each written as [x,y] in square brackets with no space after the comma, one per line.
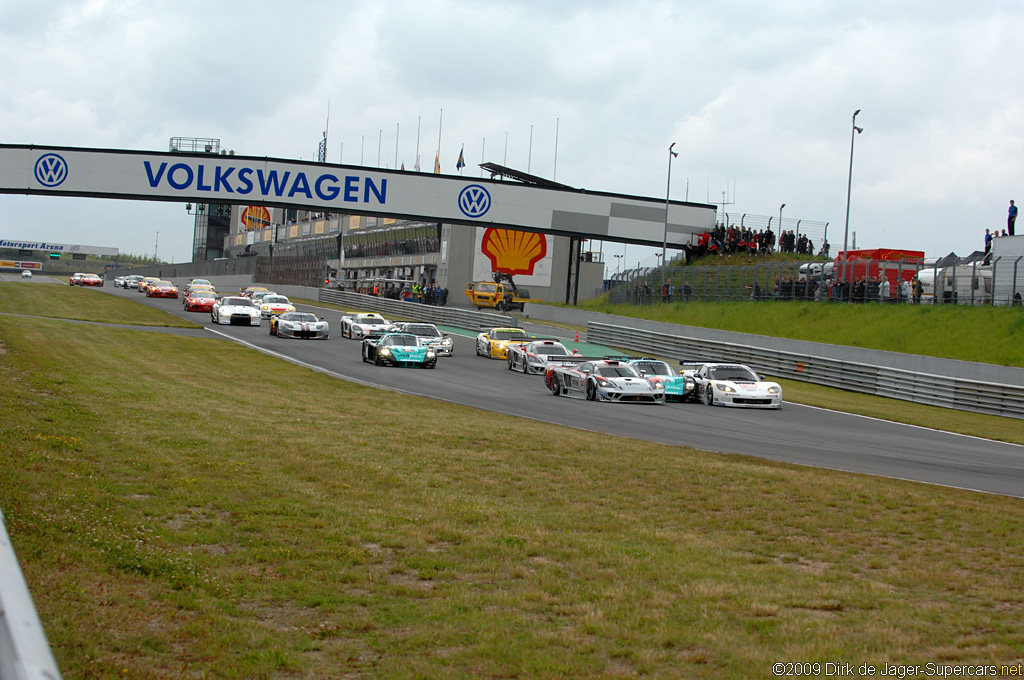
[51,170]
[474,201]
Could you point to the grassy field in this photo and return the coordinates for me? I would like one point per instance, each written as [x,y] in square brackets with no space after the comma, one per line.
[991,335]
[165,532]
[85,304]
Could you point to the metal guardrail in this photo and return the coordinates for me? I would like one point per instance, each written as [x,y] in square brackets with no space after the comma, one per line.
[24,651]
[446,316]
[883,381]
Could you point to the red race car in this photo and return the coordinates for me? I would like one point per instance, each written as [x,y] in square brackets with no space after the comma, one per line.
[200,301]
[162,289]
[90,280]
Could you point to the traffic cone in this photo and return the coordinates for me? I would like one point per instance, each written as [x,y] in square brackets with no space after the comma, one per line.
[577,336]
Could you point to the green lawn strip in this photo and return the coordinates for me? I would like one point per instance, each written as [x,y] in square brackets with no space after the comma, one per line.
[991,335]
[85,304]
[165,531]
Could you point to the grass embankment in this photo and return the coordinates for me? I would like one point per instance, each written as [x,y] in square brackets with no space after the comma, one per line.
[991,335]
[166,533]
[76,302]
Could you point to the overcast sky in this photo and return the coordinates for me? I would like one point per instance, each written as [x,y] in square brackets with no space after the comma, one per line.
[757,95]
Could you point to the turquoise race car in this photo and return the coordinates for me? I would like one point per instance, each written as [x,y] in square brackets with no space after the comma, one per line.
[399,349]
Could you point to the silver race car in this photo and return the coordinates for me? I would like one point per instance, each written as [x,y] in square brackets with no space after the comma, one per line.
[299,325]
[735,385]
[609,380]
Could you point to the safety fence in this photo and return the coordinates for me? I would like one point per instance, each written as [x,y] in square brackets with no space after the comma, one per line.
[446,316]
[935,390]
[972,282]
[24,650]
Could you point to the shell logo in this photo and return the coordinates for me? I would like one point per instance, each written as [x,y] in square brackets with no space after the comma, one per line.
[255,217]
[513,252]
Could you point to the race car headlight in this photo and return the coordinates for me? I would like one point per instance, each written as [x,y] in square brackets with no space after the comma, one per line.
[290,308]
[385,351]
[722,387]
[659,386]
[604,383]
[446,342]
[430,354]
[266,307]
[689,384]
[774,389]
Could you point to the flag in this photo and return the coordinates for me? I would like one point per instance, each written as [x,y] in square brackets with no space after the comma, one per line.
[417,166]
[437,163]
[462,161]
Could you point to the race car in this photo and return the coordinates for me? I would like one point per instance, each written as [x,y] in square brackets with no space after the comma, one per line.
[299,325]
[429,335]
[75,278]
[162,289]
[235,310]
[193,291]
[358,325]
[604,380]
[273,304]
[247,291]
[534,357]
[200,300]
[494,343]
[144,283]
[678,387]
[735,385]
[197,283]
[398,349]
[90,280]
[119,282]
[132,280]
[26,274]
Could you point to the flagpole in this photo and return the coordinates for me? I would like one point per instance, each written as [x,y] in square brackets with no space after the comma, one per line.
[440,120]
[555,175]
[529,155]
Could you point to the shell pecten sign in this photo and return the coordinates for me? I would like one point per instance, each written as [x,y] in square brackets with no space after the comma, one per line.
[513,252]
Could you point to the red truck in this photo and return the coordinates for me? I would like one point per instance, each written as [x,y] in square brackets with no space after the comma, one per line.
[891,264]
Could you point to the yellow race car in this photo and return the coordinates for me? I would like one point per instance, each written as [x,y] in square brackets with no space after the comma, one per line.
[493,343]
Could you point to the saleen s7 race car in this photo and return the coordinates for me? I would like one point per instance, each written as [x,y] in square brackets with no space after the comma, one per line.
[678,387]
[535,356]
[735,385]
[357,325]
[494,343]
[299,325]
[236,311]
[429,335]
[605,380]
[398,349]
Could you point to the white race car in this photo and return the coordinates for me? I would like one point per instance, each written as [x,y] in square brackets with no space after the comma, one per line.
[534,357]
[605,380]
[357,325]
[430,336]
[235,310]
[735,385]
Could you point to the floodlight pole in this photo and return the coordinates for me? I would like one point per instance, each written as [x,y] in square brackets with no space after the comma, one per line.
[849,186]
[668,188]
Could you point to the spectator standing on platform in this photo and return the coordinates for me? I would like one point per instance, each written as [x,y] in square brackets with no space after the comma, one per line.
[988,241]
[1011,218]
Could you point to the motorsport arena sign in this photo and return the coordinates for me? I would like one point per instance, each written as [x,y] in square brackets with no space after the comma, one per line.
[213,178]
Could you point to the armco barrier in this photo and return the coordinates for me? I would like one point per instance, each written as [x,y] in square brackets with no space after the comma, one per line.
[937,390]
[24,651]
[446,316]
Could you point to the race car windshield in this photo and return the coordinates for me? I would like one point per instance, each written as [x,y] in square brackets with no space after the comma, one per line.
[507,335]
[402,340]
[275,299]
[301,318]
[616,372]
[238,302]
[734,373]
[370,320]
[206,294]
[551,350]
[424,331]
[654,368]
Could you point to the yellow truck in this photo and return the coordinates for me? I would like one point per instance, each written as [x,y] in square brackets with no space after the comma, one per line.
[500,294]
